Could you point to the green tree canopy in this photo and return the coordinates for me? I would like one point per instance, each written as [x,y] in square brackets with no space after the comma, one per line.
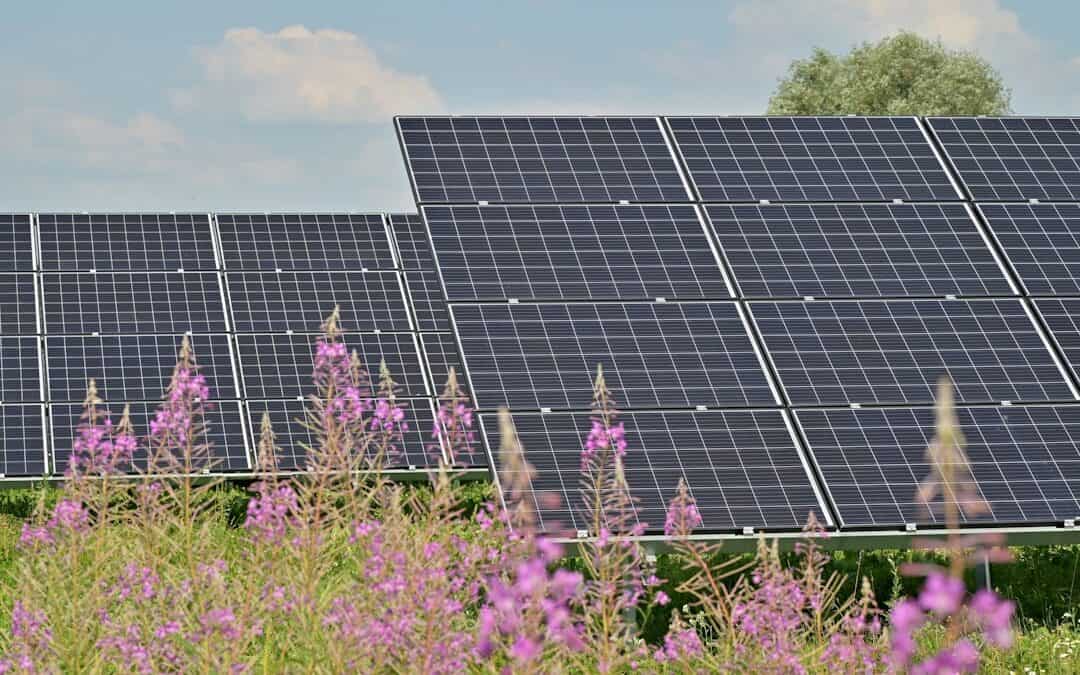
[904,74]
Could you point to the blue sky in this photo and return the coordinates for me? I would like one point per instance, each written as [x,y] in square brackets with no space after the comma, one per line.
[235,105]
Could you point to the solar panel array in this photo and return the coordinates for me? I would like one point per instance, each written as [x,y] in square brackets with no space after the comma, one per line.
[109,297]
[777,330]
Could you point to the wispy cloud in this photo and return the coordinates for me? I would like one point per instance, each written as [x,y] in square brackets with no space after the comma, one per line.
[298,74]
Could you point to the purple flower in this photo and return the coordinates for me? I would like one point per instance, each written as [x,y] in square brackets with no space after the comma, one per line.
[270,513]
[994,614]
[961,657]
[942,594]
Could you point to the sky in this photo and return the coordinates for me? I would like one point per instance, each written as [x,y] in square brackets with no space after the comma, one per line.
[128,105]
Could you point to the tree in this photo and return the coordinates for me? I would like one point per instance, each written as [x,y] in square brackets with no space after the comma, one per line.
[903,74]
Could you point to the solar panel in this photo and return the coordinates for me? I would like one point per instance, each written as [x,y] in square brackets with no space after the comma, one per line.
[293,439]
[18,299]
[268,302]
[304,241]
[139,302]
[1025,461]
[1013,158]
[224,425]
[743,467]
[894,351]
[411,240]
[539,159]
[132,367]
[427,300]
[16,243]
[132,242]
[280,366]
[1042,241]
[22,440]
[20,372]
[1062,316]
[740,159]
[654,355]
[856,250]
[441,353]
[575,253]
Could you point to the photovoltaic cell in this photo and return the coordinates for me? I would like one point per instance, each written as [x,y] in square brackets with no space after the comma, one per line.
[428,301]
[1013,158]
[224,431]
[1062,317]
[1043,243]
[133,242]
[620,252]
[411,240]
[132,367]
[293,439]
[654,355]
[1025,461]
[740,159]
[742,467]
[22,440]
[280,366]
[18,305]
[856,250]
[20,370]
[132,303]
[268,302]
[441,353]
[539,159]
[16,243]
[895,351]
[304,241]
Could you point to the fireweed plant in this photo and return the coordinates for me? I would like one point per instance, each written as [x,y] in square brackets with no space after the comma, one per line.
[337,569]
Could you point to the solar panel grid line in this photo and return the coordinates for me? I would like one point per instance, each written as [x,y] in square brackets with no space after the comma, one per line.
[940,155]
[133,367]
[1067,360]
[125,242]
[225,422]
[575,252]
[21,369]
[81,303]
[836,250]
[442,352]
[412,244]
[1013,158]
[296,301]
[305,242]
[427,303]
[539,159]
[288,417]
[665,355]
[1060,319]
[882,352]
[1041,242]
[744,467]
[17,252]
[18,300]
[808,159]
[1024,461]
[22,441]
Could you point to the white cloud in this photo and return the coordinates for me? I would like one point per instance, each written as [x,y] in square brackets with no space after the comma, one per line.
[299,74]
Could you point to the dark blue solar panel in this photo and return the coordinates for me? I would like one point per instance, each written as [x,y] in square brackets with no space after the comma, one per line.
[1062,317]
[740,159]
[1013,158]
[743,467]
[22,440]
[140,302]
[575,253]
[841,352]
[654,355]
[18,304]
[539,159]
[293,439]
[16,243]
[411,240]
[428,301]
[1042,241]
[856,250]
[132,367]
[280,366]
[441,353]
[268,302]
[224,431]
[133,242]
[304,241]
[20,370]
[1025,461]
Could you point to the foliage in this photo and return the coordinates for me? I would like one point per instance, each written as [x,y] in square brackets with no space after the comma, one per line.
[901,75]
